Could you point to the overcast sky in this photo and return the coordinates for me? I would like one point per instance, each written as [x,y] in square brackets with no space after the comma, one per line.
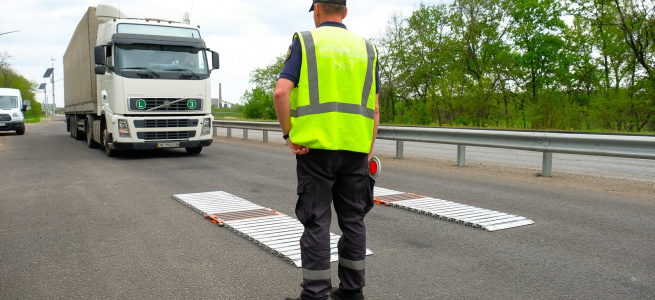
[248,34]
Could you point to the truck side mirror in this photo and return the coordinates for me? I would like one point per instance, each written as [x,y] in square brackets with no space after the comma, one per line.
[24,108]
[215,61]
[100,55]
[101,70]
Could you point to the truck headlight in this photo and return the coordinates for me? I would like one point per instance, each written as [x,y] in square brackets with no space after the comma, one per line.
[123,129]
[17,115]
[207,126]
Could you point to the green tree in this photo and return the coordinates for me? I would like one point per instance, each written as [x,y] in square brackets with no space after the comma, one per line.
[637,22]
[418,50]
[259,100]
[622,33]
[266,78]
[483,57]
[6,72]
[515,64]
[259,104]
[536,31]
[9,78]
[390,49]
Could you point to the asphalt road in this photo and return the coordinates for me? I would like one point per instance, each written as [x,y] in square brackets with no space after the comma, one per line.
[75,224]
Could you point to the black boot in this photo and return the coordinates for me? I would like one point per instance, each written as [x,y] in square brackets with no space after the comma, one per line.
[339,294]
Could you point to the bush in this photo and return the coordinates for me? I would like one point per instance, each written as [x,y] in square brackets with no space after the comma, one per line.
[258,105]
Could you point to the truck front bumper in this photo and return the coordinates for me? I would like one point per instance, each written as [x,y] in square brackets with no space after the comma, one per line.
[11,126]
[159,145]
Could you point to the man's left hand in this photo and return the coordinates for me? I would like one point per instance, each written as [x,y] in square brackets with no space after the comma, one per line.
[297,149]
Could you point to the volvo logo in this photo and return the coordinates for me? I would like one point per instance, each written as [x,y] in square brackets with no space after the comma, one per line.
[167,104]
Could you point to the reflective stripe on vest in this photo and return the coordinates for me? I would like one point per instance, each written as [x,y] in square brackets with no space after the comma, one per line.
[315,107]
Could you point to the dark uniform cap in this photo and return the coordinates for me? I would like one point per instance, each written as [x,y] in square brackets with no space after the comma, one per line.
[340,2]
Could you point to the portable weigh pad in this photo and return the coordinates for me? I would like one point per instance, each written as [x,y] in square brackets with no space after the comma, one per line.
[446,210]
[276,232]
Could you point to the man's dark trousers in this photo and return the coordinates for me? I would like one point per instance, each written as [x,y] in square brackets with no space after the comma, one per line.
[340,176]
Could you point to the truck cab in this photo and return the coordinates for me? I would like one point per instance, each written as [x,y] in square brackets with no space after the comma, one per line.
[11,111]
[136,82]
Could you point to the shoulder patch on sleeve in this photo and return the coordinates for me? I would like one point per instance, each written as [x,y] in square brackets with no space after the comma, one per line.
[289,52]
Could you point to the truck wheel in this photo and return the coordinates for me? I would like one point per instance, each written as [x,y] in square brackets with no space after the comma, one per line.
[105,142]
[193,150]
[77,134]
[89,135]
[70,127]
[21,131]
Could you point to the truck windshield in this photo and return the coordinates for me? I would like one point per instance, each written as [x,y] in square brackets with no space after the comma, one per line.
[8,102]
[161,59]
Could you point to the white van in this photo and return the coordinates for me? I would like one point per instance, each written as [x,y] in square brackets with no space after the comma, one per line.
[11,111]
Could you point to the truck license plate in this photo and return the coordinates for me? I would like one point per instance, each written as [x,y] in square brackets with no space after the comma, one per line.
[168,145]
[2,124]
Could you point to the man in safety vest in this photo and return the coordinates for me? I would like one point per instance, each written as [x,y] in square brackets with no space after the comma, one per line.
[326,101]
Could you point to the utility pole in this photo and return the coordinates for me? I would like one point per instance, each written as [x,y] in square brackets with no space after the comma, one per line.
[54,105]
[49,73]
[43,87]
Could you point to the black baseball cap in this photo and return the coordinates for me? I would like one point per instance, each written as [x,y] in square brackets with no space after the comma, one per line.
[340,2]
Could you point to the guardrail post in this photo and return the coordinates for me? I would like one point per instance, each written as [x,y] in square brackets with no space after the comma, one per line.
[461,155]
[245,134]
[399,149]
[265,132]
[229,132]
[547,165]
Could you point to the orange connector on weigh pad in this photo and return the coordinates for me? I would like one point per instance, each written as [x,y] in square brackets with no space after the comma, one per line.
[214,219]
[220,218]
[380,202]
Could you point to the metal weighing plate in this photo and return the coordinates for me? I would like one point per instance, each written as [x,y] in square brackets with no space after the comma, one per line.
[446,210]
[276,232]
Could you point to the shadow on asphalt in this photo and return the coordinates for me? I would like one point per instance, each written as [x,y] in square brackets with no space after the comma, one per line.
[153,154]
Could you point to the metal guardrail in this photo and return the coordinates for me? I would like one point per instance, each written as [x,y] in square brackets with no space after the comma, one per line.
[248,125]
[613,145]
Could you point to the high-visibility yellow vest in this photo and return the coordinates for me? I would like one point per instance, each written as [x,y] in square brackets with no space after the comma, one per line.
[333,106]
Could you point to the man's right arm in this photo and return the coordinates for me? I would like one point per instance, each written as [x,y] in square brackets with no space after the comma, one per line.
[282,104]
[283,111]
[288,81]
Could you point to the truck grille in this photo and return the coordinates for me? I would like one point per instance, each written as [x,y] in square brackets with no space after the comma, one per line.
[5,117]
[166,135]
[165,123]
[164,104]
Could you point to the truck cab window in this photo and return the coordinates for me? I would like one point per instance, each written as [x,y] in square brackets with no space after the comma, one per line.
[170,60]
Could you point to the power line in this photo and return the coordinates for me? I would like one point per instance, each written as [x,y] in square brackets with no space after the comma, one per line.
[9,32]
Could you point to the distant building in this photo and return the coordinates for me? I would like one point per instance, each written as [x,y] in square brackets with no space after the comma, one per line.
[216,102]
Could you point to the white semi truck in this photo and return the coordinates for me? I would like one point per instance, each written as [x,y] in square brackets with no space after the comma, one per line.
[138,82]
